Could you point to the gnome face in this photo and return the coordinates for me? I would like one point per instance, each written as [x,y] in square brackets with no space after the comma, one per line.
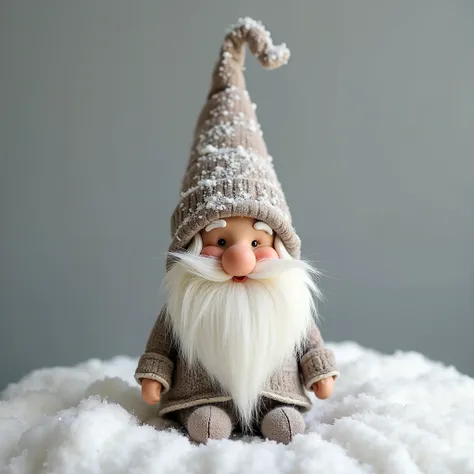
[239,243]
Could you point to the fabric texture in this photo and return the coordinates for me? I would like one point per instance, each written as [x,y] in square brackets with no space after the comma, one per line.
[156,367]
[207,422]
[192,386]
[282,424]
[273,421]
[230,172]
[157,363]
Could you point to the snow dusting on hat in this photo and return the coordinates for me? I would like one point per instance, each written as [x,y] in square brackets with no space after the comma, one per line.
[230,172]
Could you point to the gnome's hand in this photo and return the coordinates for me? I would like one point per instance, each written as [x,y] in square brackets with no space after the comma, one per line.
[323,388]
[151,391]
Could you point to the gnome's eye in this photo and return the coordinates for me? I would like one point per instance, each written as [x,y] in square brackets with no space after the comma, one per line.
[254,243]
[221,242]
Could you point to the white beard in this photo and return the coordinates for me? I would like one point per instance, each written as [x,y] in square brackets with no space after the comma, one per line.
[240,332]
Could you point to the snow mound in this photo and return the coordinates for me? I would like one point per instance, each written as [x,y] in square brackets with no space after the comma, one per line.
[390,414]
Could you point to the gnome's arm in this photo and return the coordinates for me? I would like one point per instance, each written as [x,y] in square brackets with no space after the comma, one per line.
[316,361]
[157,363]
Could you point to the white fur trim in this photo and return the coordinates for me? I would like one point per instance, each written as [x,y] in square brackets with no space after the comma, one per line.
[219,223]
[262,226]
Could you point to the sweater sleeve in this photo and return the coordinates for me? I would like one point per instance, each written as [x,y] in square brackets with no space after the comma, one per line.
[157,363]
[316,361]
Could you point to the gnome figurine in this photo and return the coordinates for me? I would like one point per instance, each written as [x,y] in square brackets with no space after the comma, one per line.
[236,345]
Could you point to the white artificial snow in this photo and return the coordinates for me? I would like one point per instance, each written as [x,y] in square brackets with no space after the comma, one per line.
[397,414]
[207,183]
[208,149]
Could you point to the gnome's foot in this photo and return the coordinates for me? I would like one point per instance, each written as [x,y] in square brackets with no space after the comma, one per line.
[282,423]
[208,422]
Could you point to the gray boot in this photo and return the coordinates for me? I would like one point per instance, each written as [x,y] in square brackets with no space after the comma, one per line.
[282,423]
[208,422]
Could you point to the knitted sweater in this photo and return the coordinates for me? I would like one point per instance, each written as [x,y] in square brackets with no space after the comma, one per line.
[185,386]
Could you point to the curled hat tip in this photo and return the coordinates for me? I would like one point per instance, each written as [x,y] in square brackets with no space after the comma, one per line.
[260,42]
[229,68]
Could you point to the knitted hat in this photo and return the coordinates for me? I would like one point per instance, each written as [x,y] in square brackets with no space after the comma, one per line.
[230,172]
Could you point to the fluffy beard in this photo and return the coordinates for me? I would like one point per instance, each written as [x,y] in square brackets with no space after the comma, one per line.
[240,332]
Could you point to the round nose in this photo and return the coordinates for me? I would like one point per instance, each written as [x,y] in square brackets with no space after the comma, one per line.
[238,260]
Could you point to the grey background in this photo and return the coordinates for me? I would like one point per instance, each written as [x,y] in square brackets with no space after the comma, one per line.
[370,126]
